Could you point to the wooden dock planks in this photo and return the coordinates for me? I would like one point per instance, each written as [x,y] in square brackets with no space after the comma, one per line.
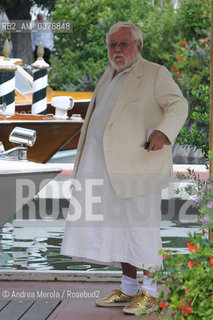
[3,303]
[15,309]
[27,309]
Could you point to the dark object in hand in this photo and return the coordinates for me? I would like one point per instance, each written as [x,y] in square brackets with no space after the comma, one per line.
[146,145]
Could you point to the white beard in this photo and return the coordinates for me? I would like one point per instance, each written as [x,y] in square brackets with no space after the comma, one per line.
[126,64]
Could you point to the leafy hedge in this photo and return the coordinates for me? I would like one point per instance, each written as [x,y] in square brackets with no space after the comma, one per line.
[80,57]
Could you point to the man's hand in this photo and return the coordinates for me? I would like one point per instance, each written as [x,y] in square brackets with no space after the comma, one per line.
[157,139]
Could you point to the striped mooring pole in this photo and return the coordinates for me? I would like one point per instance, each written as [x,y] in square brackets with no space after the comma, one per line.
[7,81]
[39,67]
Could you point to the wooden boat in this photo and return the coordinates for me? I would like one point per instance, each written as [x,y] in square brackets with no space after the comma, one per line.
[52,133]
[23,100]
[23,95]
[17,174]
[81,102]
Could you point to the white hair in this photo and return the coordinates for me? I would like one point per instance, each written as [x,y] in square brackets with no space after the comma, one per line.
[136,32]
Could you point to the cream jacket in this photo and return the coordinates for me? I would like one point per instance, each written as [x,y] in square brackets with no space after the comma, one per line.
[148,98]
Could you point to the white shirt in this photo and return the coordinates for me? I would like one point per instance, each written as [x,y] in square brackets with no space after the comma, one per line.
[39,35]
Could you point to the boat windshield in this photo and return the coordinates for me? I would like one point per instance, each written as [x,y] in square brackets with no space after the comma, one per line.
[23,81]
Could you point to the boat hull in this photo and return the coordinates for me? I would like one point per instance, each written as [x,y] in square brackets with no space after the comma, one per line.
[52,133]
[20,181]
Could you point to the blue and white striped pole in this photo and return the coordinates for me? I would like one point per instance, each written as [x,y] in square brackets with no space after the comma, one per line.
[7,80]
[39,105]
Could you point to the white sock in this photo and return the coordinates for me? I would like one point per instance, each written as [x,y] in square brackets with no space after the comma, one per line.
[149,287]
[129,285]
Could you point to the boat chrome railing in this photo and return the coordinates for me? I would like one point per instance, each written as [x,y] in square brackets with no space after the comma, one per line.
[23,136]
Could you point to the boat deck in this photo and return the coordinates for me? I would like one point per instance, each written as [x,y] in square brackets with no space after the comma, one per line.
[57,300]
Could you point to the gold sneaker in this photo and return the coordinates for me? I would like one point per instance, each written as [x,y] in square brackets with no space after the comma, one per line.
[142,300]
[116,298]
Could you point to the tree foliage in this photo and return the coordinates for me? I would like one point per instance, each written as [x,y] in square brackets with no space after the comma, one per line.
[196,136]
[80,56]
[194,18]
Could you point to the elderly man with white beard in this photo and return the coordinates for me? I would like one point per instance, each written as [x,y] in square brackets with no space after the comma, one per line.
[114,216]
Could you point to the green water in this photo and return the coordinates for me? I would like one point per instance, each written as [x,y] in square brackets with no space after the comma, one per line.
[30,248]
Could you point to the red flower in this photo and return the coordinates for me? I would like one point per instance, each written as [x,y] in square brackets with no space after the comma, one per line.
[203,232]
[197,78]
[166,254]
[178,73]
[211,262]
[182,307]
[192,248]
[177,59]
[192,264]
[185,43]
[174,68]
[189,310]
[195,248]
[186,289]
[185,309]
[163,305]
